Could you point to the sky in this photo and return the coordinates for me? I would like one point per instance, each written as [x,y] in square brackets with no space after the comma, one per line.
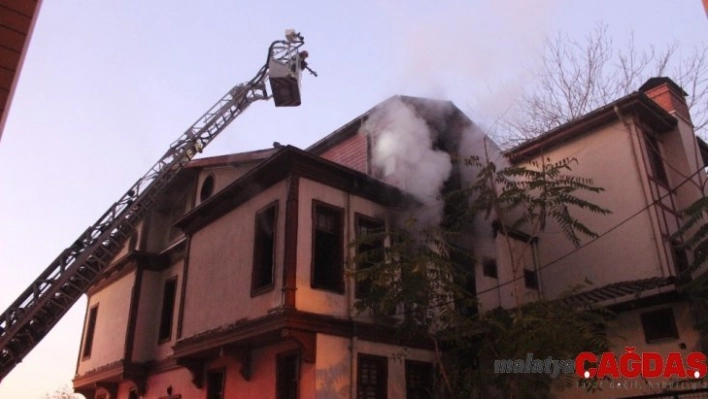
[107,86]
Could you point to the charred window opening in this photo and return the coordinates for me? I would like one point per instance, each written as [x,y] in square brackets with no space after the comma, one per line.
[530,279]
[659,325]
[215,384]
[371,237]
[465,301]
[264,248]
[327,252]
[169,294]
[207,188]
[489,268]
[90,330]
[372,377]
[655,162]
[419,380]
[287,376]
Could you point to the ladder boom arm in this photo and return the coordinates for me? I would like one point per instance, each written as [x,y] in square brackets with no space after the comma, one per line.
[32,315]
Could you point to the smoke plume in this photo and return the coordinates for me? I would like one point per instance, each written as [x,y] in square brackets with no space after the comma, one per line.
[404,155]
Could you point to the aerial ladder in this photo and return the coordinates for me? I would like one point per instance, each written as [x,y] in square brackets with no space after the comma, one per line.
[61,284]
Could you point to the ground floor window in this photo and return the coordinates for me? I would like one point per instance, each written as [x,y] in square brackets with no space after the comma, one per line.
[372,377]
[287,376]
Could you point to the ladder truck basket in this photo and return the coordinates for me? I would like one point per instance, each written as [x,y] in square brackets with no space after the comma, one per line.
[285,72]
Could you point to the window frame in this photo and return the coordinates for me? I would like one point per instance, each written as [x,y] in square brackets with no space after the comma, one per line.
[280,357]
[648,317]
[487,263]
[430,382]
[90,332]
[655,158]
[360,219]
[161,339]
[222,392]
[382,387]
[256,259]
[339,263]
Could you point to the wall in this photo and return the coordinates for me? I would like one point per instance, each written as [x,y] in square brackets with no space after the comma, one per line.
[317,300]
[221,259]
[352,153]
[627,253]
[111,321]
[146,346]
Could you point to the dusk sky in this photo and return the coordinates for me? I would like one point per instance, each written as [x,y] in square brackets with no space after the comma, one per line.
[107,85]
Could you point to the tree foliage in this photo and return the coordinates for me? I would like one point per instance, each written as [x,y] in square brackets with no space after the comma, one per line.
[576,77]
[419,280]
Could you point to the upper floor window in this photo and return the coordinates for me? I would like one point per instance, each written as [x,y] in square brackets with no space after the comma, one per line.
[90,330]
[264,249]
[327,247]
[489,267]
[207,188]
[370,249]
[372,377]
[656,163]
[169,295]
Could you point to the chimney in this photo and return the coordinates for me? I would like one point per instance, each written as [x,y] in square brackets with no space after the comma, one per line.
[668,95]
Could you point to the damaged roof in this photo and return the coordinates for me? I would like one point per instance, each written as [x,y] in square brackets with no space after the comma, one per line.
[437,113]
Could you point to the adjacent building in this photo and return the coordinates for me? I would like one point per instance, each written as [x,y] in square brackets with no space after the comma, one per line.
[235,285]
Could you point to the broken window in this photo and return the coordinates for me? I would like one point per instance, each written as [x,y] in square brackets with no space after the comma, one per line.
[370,249]
[287,376]
[659,325]
[264,249]
[372,377]
[90,330]
[327,248]
[169,294]
[215,384]
[419,380]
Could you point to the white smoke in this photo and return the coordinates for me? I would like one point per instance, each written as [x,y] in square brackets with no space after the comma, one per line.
[403,152]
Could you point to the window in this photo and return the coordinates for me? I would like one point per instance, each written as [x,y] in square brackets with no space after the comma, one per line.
[372,377]
[419,380]
[489,267]
[680,258]
[655,162]
[465,301]
[215,384]
[287,376]
[207,188]
[371,249]
[169,294]
[264,249]
[327,248]
[530,279]
[90,329]
[659,325]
